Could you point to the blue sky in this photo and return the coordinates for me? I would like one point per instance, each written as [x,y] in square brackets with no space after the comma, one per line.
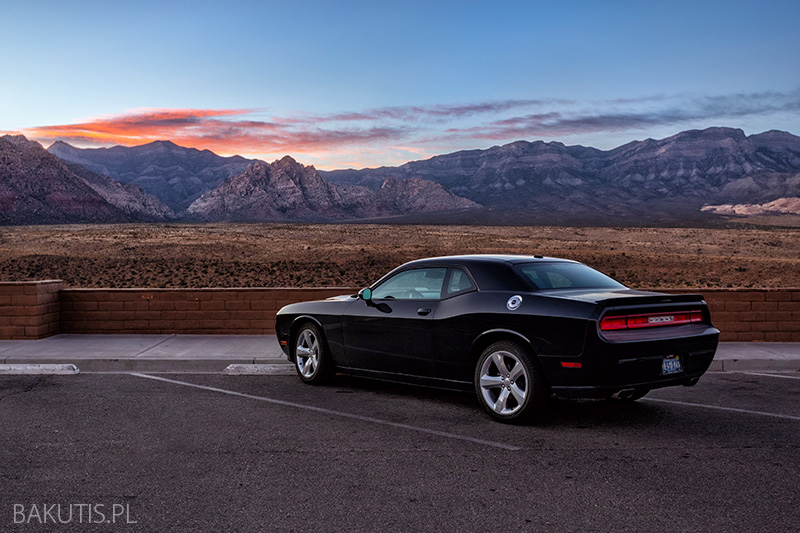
[358,84]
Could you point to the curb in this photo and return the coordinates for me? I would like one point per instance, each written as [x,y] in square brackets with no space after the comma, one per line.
[755,365]
[28,369]
[260,370]
[177,366]
[273,366]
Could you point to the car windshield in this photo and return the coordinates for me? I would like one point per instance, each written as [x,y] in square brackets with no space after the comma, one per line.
[565,276]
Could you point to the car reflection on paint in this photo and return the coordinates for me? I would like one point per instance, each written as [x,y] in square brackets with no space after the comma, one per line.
[515,329]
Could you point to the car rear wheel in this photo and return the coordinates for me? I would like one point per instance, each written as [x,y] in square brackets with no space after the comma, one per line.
[509,383]
[311,358]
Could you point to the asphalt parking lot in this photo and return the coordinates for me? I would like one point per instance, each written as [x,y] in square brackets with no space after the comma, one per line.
[206,452]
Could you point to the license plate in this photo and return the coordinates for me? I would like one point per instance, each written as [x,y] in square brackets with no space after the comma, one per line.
[671,365]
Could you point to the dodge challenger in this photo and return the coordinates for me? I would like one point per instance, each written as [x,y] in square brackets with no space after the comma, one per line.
[515,329]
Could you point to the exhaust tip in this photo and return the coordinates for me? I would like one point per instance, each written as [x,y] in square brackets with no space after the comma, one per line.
[692,382]
[624,394]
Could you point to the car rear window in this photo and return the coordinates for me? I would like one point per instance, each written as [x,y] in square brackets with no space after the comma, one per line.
[565,276]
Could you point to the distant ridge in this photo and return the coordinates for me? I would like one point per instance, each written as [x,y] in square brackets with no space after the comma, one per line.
[651,180]
[287,190]
[38,188]
[667,181]
[174,174]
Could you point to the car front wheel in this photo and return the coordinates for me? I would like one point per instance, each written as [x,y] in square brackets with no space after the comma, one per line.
[311,358]
[509,383]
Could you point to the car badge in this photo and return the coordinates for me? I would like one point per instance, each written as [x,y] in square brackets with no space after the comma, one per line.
[514,302]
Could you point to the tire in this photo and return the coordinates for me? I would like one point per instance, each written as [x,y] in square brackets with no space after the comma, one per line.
[510,383]
[312,360]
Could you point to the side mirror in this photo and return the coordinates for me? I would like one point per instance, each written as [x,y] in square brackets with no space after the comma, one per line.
[365,294]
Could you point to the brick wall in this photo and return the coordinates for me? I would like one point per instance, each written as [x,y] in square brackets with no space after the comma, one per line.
[769,315]
[29,310]
[187,311]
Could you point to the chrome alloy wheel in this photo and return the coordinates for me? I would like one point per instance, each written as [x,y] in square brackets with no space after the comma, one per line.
[503,382]
[306,353]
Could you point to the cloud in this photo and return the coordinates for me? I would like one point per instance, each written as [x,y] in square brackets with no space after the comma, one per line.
[430,113]
[438,112]
[673,111]
[238,131]
[340,137]
[217,130]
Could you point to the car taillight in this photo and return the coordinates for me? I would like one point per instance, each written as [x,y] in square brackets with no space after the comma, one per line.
[616,322]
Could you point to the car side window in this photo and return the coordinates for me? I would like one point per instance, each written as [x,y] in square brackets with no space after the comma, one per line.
[458,282]
[416,284]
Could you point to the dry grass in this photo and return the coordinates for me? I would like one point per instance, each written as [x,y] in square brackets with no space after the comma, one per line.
[247,255]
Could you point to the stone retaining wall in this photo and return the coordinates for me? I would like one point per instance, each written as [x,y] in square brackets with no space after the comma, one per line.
[187,311]
[29,310]
[32,310]
[770,315]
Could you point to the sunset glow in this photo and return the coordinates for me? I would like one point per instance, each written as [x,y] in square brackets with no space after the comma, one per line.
[370,85]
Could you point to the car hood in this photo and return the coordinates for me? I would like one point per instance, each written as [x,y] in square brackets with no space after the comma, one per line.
[343,297]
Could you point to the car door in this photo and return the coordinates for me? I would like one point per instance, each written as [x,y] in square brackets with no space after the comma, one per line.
[393,331]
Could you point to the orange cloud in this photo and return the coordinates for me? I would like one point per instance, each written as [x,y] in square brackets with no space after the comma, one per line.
[383,135]
[225,131]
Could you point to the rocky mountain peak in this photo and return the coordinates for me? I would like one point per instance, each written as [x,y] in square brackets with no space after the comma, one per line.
[709,135]
[38,188]
[165,145]
[286,190]
[175,174]
[288,160]
[17,139]
[58,145]
[776,138]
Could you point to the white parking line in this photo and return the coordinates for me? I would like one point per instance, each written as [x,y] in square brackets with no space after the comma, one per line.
[336,413]
[770,375]
[734,409]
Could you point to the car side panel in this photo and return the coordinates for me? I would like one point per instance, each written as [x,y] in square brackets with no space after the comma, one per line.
[389,335]
[326,313]
[553,327]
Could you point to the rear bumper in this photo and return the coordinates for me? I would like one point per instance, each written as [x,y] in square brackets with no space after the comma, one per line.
[608,367]
[606,391]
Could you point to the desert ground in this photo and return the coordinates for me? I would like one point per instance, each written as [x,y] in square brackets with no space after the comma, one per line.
[353,255]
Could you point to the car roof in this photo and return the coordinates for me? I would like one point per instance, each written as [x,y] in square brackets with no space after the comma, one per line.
[512,259]
[489,271]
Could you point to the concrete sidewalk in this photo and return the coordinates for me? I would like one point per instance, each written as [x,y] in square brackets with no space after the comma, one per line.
[145,353]
[214,353]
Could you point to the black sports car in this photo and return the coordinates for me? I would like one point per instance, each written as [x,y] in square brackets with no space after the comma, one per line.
[514,328]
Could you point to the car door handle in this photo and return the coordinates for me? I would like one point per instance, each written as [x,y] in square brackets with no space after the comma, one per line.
[423,311]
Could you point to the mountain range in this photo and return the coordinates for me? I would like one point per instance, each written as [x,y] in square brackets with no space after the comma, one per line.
[176,175]
[286,189]
[665,179]
[38,188]
[692,176]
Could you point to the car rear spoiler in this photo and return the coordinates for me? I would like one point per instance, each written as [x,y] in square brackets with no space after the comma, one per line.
[654,299]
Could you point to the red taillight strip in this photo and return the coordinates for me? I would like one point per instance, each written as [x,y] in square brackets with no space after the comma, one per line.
[650,320]
[566,364]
